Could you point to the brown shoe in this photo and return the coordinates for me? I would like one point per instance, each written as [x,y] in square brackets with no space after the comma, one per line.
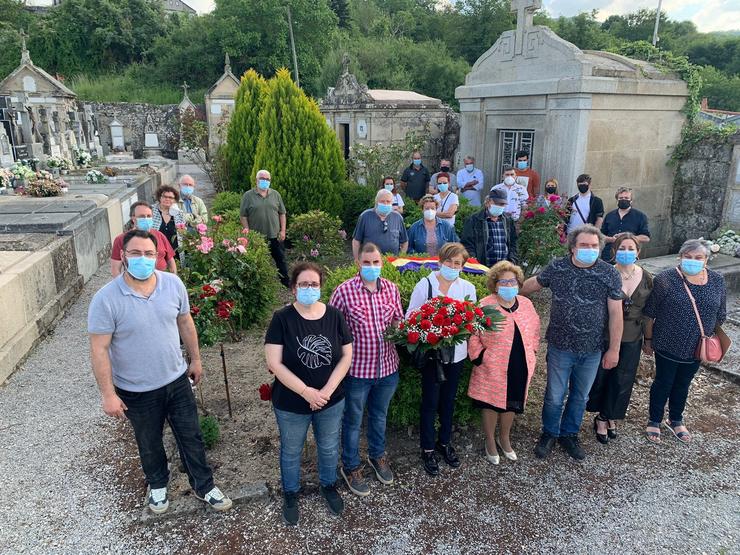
[382,470]
[356,481]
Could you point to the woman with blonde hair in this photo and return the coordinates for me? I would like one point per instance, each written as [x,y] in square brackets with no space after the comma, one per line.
[504,361]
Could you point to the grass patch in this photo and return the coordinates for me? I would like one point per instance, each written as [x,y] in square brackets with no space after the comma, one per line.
[126,88]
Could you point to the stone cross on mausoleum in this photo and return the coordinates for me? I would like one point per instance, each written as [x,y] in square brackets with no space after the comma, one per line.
[25,55]
[524,19]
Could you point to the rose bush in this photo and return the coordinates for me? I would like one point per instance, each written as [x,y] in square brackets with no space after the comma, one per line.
[542,233]
[316,235]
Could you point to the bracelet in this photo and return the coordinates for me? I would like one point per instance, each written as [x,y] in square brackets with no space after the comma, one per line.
[648,338]
[303,391]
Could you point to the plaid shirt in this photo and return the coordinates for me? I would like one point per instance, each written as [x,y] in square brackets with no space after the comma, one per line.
[496,247]
[368,314]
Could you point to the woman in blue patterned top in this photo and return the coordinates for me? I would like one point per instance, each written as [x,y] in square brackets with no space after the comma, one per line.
[672,333]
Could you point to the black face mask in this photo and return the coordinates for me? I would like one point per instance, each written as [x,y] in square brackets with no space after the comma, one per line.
[583,187]
[550,190]
[444,168]
[624,204]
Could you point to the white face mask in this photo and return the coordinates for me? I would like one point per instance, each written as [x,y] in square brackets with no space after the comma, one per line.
[430,214]
[509,181]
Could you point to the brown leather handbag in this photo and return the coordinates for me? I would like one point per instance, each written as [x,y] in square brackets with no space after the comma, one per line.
[710,347]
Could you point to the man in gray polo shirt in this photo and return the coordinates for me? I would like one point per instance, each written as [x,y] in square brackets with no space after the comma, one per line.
[135,324]
[381,225]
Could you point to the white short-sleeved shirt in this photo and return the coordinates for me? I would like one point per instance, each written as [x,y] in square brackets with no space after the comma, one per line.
[398,201]
[584,204]
[444,204]
[517,196]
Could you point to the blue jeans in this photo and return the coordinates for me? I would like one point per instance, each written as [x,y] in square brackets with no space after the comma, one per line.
[376,393]
[147,411]
[293,429]
[570,374]
[671,384]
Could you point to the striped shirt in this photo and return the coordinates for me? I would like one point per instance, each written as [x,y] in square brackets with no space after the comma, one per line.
[368,314]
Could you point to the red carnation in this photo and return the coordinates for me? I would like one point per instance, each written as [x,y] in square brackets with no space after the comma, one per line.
[469,316]
[446,332]
[528,215]
[541,210]
[425,324]
[448,322]
[469,327]
[194,310]
[265,391]
[432,338]
[457,319]
[401,325]
[412,337]
[488,321]
[427,310]
[447,300]
[459,306]
[454,330]
[478,312]
[438,320]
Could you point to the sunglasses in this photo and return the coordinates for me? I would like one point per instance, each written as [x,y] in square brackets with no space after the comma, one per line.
[385,227]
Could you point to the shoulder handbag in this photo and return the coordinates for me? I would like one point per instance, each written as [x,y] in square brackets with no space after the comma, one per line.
[710,347]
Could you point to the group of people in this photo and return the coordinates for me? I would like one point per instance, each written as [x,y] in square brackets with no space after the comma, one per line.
[331,363]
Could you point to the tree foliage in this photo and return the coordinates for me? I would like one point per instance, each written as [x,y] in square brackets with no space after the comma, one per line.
[244,129]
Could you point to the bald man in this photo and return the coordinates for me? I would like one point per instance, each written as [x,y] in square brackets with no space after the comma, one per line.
[262,210]
[192,207]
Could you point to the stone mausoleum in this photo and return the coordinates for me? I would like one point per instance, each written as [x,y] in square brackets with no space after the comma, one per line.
[576,112]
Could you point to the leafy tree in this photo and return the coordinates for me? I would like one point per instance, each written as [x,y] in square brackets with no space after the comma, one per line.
[301,152]
[721,90]
[723,54]
[341,10]
[244,129]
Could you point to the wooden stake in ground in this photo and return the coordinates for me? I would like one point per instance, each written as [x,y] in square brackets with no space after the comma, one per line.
[226,379]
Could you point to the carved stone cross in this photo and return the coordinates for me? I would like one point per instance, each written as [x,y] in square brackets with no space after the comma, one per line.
[524,15]
[25,55]
[185,87]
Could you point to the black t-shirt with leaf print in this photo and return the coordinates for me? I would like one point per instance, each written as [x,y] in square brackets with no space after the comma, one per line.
[311,350]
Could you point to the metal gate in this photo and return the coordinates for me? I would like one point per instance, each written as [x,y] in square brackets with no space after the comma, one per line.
[509,142]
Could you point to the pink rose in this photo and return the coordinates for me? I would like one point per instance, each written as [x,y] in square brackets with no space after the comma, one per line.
[217,218]
[241,249]
[180,225]
[314,253]
[528,215]
[202,228]
[226,243]
[342,234]
[554,198]
[541,210]
[245,231]
[243,241]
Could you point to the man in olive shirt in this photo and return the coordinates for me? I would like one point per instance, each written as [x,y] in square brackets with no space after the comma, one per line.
[262,210]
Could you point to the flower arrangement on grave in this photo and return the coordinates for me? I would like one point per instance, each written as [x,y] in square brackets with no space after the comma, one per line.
[6,178]
[727,243]
[542,234]
[58,162]
[94,176]
[44,185]
[110,172]
[22,170]
[82,157]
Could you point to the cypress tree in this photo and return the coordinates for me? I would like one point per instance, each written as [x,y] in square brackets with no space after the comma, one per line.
[300,151]
[244,130]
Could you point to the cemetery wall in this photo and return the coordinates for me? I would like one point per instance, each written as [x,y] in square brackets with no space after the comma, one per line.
[706,193]
[133,117]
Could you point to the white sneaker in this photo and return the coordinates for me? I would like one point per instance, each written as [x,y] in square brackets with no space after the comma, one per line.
[217,500]
[158,502]
[493,459]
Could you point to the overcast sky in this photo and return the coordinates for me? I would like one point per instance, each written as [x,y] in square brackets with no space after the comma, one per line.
[708,15]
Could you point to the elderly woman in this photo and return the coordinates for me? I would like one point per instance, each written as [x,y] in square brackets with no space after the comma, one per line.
[308,347]
[612,389]
[438,398]
[389,184]
[166,216]
[192,207]
[430,233]
[672,332]
[505,359]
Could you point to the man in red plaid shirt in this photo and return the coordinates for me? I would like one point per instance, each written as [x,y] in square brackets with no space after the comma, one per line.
[369,304]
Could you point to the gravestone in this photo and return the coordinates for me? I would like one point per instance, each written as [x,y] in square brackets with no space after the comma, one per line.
[116,134]
[151,139]
[6,148]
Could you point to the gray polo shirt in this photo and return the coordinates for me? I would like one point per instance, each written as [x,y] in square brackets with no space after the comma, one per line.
[145,345]
[370,228]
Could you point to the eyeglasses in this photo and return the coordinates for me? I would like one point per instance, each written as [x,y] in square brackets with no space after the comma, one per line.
[385,227]
[510,282]
[306,284]
[148,254]
[170,197]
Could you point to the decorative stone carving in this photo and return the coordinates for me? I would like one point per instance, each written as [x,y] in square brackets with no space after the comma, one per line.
[347,90]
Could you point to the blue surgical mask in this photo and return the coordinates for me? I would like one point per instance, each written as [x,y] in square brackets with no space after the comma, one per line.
[442,187]
[521,165]
[508,293]
[307,295]
[691,266]
[370,273]
[450,274]
[140,267]
[625,258]
[389,186]
[186,191]
[587,256]
[469,167]
[495,210]
[384,209]
[144,224]
[417,162]
[264,184]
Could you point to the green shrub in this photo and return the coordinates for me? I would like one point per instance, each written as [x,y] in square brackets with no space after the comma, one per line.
[316,236]
[225,201]
[404,408]
[244,129]
[210,430]
[464,211]
[411,211]
[357,199]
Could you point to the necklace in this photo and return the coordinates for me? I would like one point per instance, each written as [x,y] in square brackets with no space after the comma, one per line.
[629,276]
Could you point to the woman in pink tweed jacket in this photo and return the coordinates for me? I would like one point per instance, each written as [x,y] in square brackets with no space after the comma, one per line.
[504,361]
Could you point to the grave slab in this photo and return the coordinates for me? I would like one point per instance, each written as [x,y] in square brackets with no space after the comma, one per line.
[41,222]
[9,258]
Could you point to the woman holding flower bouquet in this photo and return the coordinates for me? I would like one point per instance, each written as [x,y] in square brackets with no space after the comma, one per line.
[438,397]
[504,361]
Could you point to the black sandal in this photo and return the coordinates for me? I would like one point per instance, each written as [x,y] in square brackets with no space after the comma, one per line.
[601,438]
[611,432]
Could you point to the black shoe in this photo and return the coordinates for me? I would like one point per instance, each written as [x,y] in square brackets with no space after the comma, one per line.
[572,447]
[448,454]
[612,432]
[333,499]
[290,509]
[431,465]
[601,438]
[544,446]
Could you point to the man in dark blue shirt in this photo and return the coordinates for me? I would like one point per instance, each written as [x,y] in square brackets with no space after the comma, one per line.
[623,219]
[415,178]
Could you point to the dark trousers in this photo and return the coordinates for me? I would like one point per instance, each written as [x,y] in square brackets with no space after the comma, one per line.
[672,381]
[277,250]
[612,389]
[438,398]
[147,412]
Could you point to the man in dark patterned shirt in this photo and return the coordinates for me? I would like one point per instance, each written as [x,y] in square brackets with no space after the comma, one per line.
[586,298]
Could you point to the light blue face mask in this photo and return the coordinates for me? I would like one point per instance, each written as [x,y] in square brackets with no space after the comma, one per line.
[625,258]
[691,266]
[508,293]
[264,184]
[521,165]
[140,267]
[144,224]
[186,190]
[389,186]
[384,209]
[496,210]
[450,274]
[587,256]
[469,167]
[370,273]
[442,187]
[417,162]
[308,295]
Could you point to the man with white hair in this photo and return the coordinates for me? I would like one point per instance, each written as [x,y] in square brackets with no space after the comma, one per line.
[192,207]
[262,210]
[382,226]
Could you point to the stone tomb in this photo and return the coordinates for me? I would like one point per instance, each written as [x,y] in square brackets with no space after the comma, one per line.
[577,112]
[220,102]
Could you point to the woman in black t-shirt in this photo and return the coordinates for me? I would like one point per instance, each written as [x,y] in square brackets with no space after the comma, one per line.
[308,347]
